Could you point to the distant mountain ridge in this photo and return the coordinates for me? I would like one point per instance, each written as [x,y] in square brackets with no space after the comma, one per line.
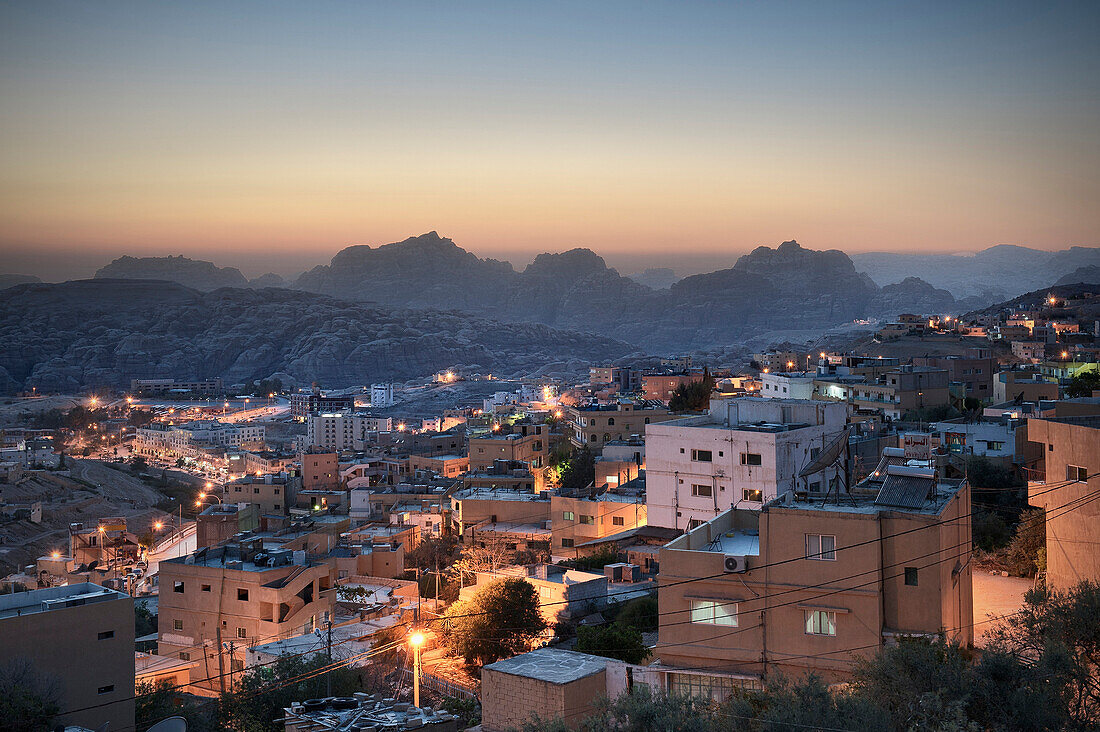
[104,332]
[195,273]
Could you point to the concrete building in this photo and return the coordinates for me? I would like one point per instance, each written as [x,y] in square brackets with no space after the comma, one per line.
[575,521]
[974,369]
[473,506]
[595,425]
[344,430]
[564,594]
[305,403]
[381,395]
[990,438]
[526,442]
[271,494]
[449,466]
[320,471]
[166,387]
[788,384]
[892,394]
[804,585]
[661,387]
[745,452]
[1066,485]
[222,521]
[82,637]
[1023,385]
[240,594]
[548,682]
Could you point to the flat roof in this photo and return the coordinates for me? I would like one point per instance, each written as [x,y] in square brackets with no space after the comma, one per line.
[480,494]
[55,598]
[553,665]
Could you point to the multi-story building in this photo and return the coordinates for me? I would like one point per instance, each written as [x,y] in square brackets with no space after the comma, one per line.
[787,384]
[162,387]
[577,520]
[269,493]
[344,430]
[223,521]
[805,585]
[473,507]
[239,595]
[1023,385]
[744,452]
[892,394]
[449,466]
[528,443]
[780,360]
[320,470]
[193,439]
[1032,351]
[595,425]
[1067,485]
[82,636]
[661,387]
[381,395]
[974,369]
[305,403]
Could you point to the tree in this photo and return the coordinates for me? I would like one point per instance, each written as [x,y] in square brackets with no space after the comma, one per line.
[640,613]
[154,702]
[139,464]
[578,473]
[693,396]
[612,641]
[145,622]
[1083,384]
[1027,550]
[28,697]
[500,621]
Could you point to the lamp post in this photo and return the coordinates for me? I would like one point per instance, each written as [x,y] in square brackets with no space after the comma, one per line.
[416,640]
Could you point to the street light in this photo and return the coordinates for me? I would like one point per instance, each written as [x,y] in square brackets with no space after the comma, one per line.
[416,640]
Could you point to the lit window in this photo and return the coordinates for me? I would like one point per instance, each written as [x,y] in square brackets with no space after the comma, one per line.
[711,612]
[820,622]
[749,494]
[821,546]
[567,515]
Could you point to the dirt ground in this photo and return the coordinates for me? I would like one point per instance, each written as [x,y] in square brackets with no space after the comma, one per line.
[994,597]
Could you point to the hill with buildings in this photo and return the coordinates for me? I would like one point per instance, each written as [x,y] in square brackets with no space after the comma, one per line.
[104,332]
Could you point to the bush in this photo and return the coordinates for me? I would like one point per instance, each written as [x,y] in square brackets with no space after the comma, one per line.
[612,641]
[640,613]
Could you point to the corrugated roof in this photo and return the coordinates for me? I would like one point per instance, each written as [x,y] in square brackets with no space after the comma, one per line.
[905,491]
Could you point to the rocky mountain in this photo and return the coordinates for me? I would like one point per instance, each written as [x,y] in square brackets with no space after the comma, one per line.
[99,332]
[657,278]
[993,274]
[11,280]
[195,273]
[1089,274]
[267,280]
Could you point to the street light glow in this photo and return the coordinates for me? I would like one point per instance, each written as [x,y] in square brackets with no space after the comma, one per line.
[416,639]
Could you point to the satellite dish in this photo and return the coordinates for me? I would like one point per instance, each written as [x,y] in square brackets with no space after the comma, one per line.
[172,724]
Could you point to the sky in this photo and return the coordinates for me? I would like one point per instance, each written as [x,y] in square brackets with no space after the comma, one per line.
[269,135]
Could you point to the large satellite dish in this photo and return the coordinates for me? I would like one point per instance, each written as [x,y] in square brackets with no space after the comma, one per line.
[172,724]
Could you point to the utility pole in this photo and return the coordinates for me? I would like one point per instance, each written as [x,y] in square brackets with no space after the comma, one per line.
[328,676]
[221,658]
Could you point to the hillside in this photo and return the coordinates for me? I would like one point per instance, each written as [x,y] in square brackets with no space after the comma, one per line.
[195,273]
[105,332]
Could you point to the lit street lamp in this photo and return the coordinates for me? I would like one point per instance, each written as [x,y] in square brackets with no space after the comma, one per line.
[416,640]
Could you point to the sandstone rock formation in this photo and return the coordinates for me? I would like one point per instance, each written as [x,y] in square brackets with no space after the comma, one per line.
[195,273]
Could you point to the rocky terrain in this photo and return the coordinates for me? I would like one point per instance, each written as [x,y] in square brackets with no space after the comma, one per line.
[11,280]
[1089,274]
[194,273]
[993,274]
[102,332]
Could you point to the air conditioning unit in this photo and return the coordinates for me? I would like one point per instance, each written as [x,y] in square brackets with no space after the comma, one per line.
[735,563]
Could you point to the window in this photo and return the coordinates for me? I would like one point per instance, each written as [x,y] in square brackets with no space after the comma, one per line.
[750,458]
[701,490]
[611,422]
[185,656]
[205,588]
[276,491]
[1075,472]
[749,494]
[567,515]
[712,612]
[821,546]
[567,543]
[242,594]
[107,634]
[177,624]
[241,633]
[106,689]
[701,686]
[618,521]
[236,664]
[177,587]
[701,456]
[911,576]
[820,622]
[587,519]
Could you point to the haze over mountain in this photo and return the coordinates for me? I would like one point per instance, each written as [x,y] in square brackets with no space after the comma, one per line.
[996,273]
[104,332]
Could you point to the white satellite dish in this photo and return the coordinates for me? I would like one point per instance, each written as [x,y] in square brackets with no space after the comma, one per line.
[172,724]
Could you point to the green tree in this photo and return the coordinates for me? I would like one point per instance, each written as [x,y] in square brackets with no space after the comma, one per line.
[1083,384]
[29,699]
[154,702]
[145,621]
[501,620]
[640,613]
[139,464]
[578,473]
[693,396]
[1027,550]
[612,641]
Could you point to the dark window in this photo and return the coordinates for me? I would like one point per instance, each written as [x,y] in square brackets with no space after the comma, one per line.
[750,458]
[567,542]
[618,521]
[610,421]
[106,634]
[205,588]
[241,633]
[701,490]
[185,656]
[701,456]
[1077,473]
[177,625]
[242,594]
[106,689]
[911,576]
[177,587]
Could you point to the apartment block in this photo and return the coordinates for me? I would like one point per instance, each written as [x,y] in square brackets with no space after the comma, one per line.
[744,452]
[269,493]
[1066,485]
[595,424]
[58,631]
[526,442]
[805,585]
[575,521]
[974,369]
[303,404]
[241,594]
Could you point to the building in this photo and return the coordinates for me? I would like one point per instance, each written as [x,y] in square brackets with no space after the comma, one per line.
[222,521]
[564,594]
[240,594]
[993,438]
[745,451]
[381,395]
[661,387]
[576,521]
[82,636]
[305,403]
[320,470]
[344,430]
[473,506]
[805,585]
[780,360]
[271,494]
[892,394]
[165,387]
[549,682]
[974,369]
[528,443]
[788,384]
[449,466]
[595,425]
[1066,485]
[197,439]
[1023,386]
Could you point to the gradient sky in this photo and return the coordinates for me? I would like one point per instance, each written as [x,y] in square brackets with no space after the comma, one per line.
[269,135]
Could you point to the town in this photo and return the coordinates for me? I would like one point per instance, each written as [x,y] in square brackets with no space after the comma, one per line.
[465,552]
